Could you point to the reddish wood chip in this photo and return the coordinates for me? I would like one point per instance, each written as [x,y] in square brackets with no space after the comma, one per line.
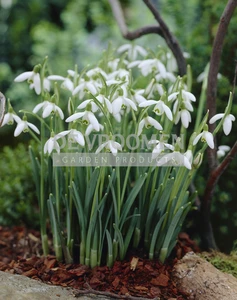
[50,262]
[79,271]
[161,280]
[116,282]
[140,288]
[155,291]
[30,273]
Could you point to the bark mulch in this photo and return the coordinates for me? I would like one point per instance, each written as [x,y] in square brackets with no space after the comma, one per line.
[134,278]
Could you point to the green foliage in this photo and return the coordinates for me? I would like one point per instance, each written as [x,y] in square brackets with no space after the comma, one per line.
[223,262]
[17,191]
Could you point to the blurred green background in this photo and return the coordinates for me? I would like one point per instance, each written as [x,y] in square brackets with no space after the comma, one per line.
[76,32]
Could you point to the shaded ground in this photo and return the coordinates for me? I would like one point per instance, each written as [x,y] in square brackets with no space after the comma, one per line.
[20,253]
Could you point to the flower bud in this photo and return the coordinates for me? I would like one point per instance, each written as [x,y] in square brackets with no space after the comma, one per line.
[198,160]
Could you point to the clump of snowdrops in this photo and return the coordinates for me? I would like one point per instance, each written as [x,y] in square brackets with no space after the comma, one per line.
[98,213]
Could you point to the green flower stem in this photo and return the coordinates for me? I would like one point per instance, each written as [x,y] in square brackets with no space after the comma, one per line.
[43,204]
[34,137]
[57,193]
[201,105]
[119,199]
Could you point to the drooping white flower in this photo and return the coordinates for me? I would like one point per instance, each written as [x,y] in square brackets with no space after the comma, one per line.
[94,73]
[48,108]
[159,109]
[51,144]
[175,159]
[138,96]
[160,147]
[110,145]
[74,136]
[85,86]
[120,76]
[88,118]
[154,88]
[227,124]
[148,122]
[90,128]
[34,79]
[185,117]
[121,102]
[114,64]
[150,65]
[185,95]
[23,126]
[67,83]
[9,119]
[94,107]
[132,50]
[206,137]
[189,155]
[222,150]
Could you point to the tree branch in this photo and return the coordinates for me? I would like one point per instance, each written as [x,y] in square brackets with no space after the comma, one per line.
[213,71]
[169,38]
[216,171]
[161,30]
[130,35]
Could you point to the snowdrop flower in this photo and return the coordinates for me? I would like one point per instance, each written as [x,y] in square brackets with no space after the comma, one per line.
[23,126]
[9,118]
[159,109]
[74,136]
[51,144]
[175,159]
[67,82]
[87,117]
[132,50]
[34,80]
[113,64]
[154,87]
[110,145]
[169,76]
[121,102]
[222,150]
[85,86]
[94,107]
[185,117]
[227,124]
[150,65]
[48,108]
[118,77]
[189,155]
[90,128]
[160,147]
[148,122]
[138,96]
[185,95]
[206,137]
[94,73]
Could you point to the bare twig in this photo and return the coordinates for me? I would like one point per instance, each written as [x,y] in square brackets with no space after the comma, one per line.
[213,71]
[130,35]
[169,38]
[89,290]
[161,30]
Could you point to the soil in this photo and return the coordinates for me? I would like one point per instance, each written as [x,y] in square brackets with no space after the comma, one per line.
[134,278]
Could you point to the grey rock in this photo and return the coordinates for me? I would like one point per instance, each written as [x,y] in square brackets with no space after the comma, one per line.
[17,287]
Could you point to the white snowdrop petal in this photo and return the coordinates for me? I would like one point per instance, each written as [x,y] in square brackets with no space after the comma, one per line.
[37,83]
[56,77]
[24,76]
[215,118]
[33,127]
[19,128]
[75,116]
